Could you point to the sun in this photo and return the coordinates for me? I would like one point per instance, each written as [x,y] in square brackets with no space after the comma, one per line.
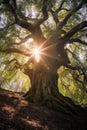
[36,51]
[37,54]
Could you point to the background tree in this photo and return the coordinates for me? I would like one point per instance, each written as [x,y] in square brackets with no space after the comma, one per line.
[51,27]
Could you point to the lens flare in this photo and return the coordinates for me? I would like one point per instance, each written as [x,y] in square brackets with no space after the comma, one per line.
[37,54]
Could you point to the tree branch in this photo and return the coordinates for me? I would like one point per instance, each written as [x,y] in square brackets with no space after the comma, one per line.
[18,65]
[54,13]
[77,78]
[6,1]
[77,40]
[15,50]
[25,25]
[45,14]
[74,30]
[64,22]
[12,9]
[60,7]
[65,9]
[22,39]
[22,22]
[82,69]
[14,4]
[1,29]
[16,62]
[54,16]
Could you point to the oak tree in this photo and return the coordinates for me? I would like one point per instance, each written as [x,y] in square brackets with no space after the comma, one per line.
[43,31]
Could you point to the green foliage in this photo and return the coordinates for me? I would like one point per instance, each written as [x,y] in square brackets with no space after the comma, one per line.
[71,84]
[62,14]
[9,73]
[78,55]
[10,77]
[48,27]
[20,82]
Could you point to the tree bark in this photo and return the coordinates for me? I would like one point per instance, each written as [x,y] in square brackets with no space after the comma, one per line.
[44,90]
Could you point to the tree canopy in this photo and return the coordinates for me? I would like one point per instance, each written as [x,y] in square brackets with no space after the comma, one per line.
[37,38]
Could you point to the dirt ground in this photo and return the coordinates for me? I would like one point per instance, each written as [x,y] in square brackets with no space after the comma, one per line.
[18,114]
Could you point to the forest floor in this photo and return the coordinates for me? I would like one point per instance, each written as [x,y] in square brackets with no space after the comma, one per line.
[18,114]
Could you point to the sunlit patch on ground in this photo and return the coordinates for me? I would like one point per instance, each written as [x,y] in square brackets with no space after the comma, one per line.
[23,103]
[35,124]
[8,111]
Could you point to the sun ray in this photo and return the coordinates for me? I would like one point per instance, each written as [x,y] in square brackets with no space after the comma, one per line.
[39,53]
[36,53]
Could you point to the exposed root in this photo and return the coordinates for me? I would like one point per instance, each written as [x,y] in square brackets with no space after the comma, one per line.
[64,105]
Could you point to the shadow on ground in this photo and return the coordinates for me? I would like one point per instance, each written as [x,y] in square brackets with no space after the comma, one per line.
[18,114]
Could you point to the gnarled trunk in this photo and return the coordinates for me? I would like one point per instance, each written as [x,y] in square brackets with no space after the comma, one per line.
[45,90]
[43,82]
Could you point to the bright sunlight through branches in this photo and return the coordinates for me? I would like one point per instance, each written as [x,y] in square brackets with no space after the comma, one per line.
[36,52]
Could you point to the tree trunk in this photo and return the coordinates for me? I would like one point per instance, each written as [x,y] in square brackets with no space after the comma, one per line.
[44,81]
[44,90]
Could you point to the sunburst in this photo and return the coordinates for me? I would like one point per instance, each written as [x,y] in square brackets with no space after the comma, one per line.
[38,52]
